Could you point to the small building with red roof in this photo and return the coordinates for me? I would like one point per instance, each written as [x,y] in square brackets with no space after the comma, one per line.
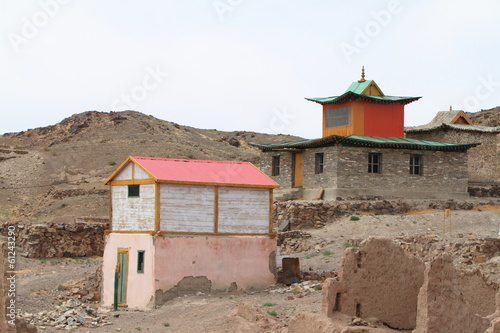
[181,226]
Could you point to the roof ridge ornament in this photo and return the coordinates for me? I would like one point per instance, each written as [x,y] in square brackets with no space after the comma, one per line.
[362,75]
[451,109]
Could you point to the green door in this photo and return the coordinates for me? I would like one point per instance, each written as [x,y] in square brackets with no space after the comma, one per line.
[121,276]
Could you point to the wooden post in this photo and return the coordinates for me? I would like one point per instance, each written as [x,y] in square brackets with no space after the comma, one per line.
[447,213]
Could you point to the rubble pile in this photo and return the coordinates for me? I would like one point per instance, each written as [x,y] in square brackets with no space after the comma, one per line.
[69,315]
[299,290]
[87,289]
[299,241]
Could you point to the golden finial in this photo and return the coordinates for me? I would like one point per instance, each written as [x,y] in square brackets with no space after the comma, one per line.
[362,75]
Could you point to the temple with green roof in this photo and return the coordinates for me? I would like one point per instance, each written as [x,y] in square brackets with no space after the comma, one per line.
[363,151]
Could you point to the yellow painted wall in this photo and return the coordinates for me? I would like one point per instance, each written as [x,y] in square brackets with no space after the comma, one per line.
[356,127]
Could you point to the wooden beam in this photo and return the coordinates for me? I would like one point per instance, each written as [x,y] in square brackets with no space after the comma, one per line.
[216,209]
[132,182]
[107,232]
[110,208]
[215,184]
[271,206]
[157,207]
[213,234]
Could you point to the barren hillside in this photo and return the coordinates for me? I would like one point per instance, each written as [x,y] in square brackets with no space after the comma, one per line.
[56,172]
[490,117]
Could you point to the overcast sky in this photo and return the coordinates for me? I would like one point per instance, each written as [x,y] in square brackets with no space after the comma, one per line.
[242,64]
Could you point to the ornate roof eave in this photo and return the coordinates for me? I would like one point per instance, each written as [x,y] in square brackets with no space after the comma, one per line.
[374,142]
[351,96]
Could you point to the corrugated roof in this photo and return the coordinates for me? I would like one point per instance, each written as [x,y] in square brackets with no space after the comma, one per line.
[202,171]
[367,141]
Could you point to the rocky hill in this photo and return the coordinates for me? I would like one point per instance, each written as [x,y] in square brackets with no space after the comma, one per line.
[56,172]
[490,117]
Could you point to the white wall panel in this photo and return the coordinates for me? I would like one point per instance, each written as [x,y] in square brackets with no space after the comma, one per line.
[243,210]
[125,174]
[140,174]
[133,214]
[186,208]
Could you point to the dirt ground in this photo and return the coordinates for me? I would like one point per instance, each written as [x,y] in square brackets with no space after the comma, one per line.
[39,280]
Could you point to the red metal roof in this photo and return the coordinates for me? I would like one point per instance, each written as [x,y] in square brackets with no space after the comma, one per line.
[204,171]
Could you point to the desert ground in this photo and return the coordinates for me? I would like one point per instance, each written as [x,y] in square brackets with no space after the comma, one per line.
[45,284]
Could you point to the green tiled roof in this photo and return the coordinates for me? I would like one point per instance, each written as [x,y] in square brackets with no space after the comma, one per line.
[352,96]
[367,141]
[354,93]
[358,87]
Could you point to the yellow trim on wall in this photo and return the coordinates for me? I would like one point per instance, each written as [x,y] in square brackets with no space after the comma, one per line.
[157,207]
[131,182]
[215,184]
[107,232]
[216,209]
[271,206]
[110,207]
[161,233]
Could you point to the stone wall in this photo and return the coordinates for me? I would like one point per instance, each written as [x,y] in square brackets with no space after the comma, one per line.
[285,178]
[326,179]
[483,159]
[346,173]
[309,214]
[442,171]
[61,239]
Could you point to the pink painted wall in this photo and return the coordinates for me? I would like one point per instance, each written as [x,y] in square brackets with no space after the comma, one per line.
[223,260]
[140,286]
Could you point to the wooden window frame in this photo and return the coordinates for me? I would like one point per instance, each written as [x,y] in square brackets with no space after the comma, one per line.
[338,117]
[416,165]
[375,165]
[132,189]
[319,163]
[276,165]
[140,261]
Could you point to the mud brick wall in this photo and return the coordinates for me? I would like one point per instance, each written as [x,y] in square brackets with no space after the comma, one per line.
[61,239]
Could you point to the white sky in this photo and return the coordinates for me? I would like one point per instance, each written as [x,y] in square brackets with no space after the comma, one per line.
[242,64]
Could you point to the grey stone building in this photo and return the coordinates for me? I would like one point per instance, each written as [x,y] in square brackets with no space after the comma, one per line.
[364,152]
[455,126]
[353,166]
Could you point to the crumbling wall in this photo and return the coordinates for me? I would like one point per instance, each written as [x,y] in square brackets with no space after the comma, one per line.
[378,281]
[442,306]
[51,240]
